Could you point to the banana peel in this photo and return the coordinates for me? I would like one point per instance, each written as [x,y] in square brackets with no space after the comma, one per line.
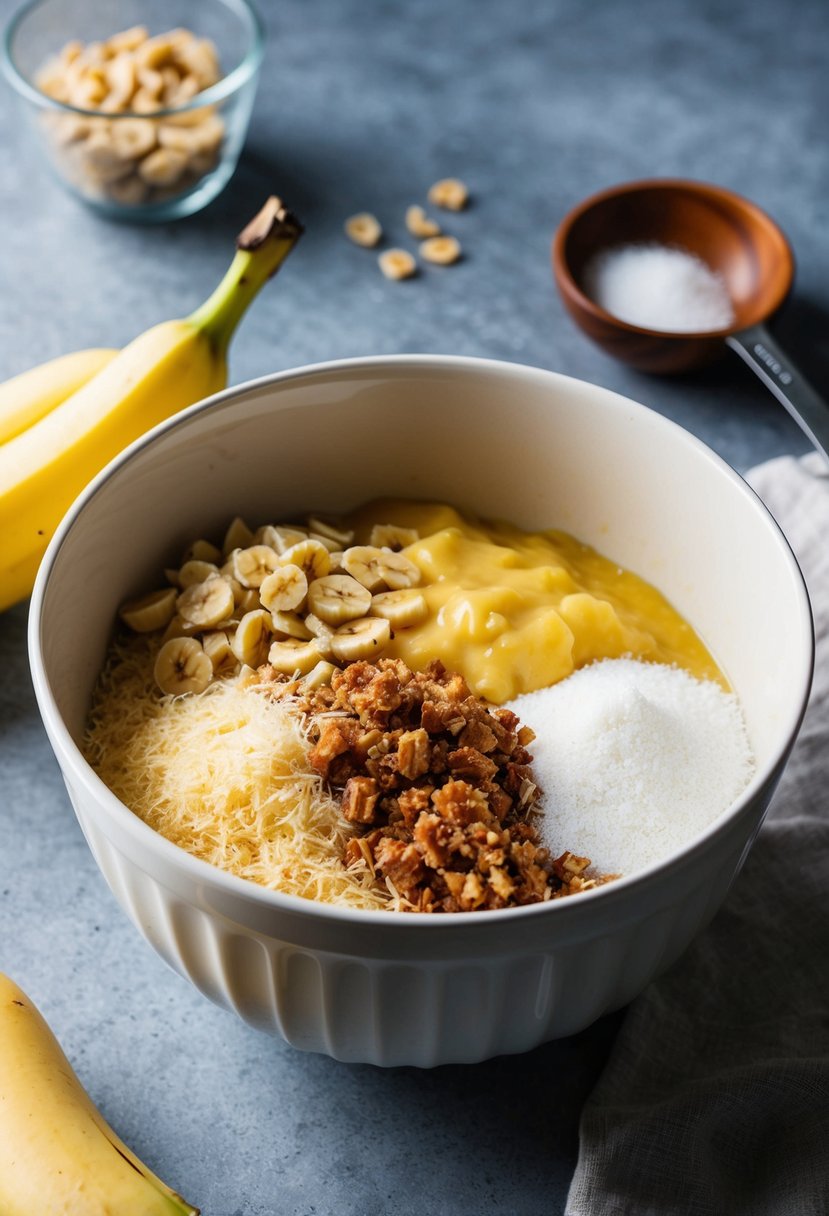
[58,1155]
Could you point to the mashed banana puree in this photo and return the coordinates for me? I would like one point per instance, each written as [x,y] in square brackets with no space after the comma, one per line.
[517,611]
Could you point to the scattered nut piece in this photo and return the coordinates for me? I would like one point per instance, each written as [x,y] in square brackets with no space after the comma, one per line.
[363,229]
[397,264]
[442,250]
[420,224]
[449,193]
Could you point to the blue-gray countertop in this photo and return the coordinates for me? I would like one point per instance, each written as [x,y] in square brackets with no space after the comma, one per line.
[362,105]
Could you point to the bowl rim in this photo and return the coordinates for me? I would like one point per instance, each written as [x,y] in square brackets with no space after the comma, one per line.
[244,71]
[202,873]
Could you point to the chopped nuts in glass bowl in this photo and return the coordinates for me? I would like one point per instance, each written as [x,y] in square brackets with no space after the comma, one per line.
[140,107]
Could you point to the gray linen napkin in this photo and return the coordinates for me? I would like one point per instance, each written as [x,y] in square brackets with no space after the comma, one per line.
[715,1098]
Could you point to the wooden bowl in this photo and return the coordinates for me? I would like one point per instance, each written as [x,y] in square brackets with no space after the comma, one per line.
[730,234]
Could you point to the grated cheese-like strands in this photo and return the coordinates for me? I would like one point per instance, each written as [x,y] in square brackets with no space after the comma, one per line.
[225,776]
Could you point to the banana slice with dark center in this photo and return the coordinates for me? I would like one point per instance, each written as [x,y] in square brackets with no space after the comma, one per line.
[182,666]
[284,589]
[378,569]
[252,566]
[363,639]
[338,598]
[205,604]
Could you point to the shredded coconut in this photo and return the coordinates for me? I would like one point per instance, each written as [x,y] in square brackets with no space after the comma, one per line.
[224,775]
[634,760]
[659,287]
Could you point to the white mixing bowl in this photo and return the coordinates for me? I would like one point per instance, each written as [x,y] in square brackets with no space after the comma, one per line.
[502,440]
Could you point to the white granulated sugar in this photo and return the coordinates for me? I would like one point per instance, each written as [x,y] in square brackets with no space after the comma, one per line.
[659,287]
[635,759]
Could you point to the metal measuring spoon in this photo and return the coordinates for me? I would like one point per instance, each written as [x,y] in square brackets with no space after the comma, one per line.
[729,233]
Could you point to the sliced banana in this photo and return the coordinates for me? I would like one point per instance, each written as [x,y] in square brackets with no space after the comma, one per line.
[363,229]
[280,536]
[343,536]
[217,647]
[390,536]
[238,536]
[179,628]
[247,601]
[133,138]
[378,569]
[202,551]
[253,565]
[319,675]
[333,546]
[205,137]
[100,159]
[253,638]
[338,598]
[284,589]
[163,167]
[361,639]
[149,612]
[182,666]
[205,604]
[450,193]
[151,82]
[311,557]
[129,191]
[290,625]
[322,632]
[420,224]
[291,655]
[119,74]
[195,571]
[441,250]
[397,264]
[402,609]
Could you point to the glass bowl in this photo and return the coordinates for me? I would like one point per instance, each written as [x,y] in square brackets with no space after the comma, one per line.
[122,125]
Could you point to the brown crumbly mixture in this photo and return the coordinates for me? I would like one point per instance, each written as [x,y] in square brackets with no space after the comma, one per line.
[440,785]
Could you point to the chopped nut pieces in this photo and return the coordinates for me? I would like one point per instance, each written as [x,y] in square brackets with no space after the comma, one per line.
[449,193]
[443,250]
[304,598]
[439,781]
[134,160]
[420,224]
[364,229]
[397,264]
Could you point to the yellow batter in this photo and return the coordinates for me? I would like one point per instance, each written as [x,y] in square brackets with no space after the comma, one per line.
[515,611]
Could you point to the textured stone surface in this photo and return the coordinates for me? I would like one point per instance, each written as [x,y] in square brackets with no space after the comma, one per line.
[362,105]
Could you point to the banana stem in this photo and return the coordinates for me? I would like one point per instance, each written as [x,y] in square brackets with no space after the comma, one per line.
[262,247]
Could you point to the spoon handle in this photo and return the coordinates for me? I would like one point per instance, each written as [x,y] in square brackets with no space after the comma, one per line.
[764,355]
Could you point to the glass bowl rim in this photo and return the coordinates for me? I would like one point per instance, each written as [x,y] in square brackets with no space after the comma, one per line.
[241,75]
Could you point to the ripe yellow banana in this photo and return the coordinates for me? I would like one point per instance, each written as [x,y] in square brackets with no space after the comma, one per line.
[57,1153]
[167,368]
[27,398]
